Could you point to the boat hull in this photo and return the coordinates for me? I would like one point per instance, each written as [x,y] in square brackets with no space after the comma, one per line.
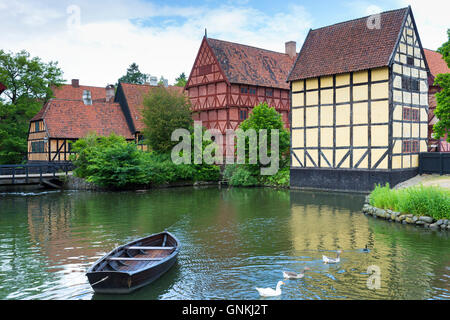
[123,282]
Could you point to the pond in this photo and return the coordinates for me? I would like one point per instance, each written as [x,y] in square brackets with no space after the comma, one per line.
[233,240]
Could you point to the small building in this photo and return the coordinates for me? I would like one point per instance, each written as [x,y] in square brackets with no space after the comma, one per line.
[359,104]
[61,122]
[437,65]
[77,110]
[228,79]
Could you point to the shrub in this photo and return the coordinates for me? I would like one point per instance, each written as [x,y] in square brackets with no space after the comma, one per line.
[419,200]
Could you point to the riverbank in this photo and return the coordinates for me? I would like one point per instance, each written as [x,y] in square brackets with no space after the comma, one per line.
[405,218]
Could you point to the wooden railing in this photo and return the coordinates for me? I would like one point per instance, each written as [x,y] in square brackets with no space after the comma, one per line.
[34,170]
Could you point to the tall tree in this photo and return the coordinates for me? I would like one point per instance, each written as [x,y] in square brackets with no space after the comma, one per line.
[442,111]
[164,111]
[134,75]
[29,84]
[181,80]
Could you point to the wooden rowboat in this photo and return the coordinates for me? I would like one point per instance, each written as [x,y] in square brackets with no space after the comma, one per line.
[135,264]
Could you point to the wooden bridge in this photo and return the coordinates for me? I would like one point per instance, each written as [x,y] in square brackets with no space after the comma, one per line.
[46,174]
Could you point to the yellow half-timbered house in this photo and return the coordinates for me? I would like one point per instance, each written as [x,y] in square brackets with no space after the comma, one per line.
[359,104]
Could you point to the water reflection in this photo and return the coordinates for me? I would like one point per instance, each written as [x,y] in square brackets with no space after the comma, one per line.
[232,241]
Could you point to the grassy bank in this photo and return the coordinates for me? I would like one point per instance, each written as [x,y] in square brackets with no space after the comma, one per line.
[418,200]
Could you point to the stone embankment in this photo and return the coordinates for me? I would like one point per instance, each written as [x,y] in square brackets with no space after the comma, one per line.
[420,221]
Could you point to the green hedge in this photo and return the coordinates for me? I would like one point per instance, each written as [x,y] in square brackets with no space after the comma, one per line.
[419,200]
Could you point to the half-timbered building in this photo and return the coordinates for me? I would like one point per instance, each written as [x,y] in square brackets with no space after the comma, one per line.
[359,104]
[437,65]
[228,79]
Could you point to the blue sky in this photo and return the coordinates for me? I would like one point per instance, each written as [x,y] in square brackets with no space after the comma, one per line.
[95,41]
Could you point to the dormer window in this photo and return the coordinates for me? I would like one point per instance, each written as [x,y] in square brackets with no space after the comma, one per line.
[87,98]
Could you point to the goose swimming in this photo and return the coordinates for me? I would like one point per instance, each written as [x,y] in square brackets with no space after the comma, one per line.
[269,292]
[332,260]
[294,275]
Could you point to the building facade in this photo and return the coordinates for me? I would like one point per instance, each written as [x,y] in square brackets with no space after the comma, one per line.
[437,65]
[228,79]
[359,104]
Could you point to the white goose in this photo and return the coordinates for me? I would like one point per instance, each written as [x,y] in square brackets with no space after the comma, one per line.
[332,260]
[293,275]
[269,292]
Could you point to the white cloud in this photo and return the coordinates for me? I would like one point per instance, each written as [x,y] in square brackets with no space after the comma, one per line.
[162,40]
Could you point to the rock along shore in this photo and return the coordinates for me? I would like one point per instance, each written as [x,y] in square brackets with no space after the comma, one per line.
[389,215]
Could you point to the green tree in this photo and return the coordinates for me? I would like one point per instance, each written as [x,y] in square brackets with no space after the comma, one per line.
[164,111]
[262,117]
[442,111]
[29,83]
[181,80]
[134,75]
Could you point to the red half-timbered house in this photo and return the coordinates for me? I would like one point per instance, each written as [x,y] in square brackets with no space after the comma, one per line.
[437,65]
[228,79]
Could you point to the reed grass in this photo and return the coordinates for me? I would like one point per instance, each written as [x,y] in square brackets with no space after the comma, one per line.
[419,200]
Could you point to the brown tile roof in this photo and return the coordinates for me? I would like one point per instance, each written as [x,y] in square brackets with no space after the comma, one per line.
[134,94]
[68,92]
[253,66]
[2,87]
[435,62]
[73,119]
[349,46]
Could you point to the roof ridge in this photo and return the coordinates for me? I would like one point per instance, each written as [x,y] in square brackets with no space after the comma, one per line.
[248,46]
[361,18]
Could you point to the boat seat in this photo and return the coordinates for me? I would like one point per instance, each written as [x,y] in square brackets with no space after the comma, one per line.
[134,259]
[149,248]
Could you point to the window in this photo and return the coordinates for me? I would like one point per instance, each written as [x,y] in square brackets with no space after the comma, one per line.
[410,146]
[243,114]
[140,139]
[244,89]
[269,92]
[69,146]
[411,114]
[410,84]
[36,126]
[410,61]
[37,146]
[252,91]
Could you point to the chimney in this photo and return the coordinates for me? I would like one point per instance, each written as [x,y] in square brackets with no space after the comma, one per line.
[291,49]
[110,91]
[75,83]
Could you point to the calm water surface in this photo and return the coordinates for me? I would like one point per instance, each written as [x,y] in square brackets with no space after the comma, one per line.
[232,240]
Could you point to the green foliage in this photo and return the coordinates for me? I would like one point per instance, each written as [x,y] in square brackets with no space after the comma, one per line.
[442,111]
[262,117]
[109,161]
[419,200]
[28,81]
[445,49]
[164,111]
[133,75]
[113,162]
[181,80]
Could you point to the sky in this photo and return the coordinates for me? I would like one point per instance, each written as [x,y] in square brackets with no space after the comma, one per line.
[95,41]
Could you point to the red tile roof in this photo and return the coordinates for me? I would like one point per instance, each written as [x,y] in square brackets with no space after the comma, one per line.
[253,66]
[73,119]
[435,62]
[134,94]
[349,46]
[2,87]
[69,92]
